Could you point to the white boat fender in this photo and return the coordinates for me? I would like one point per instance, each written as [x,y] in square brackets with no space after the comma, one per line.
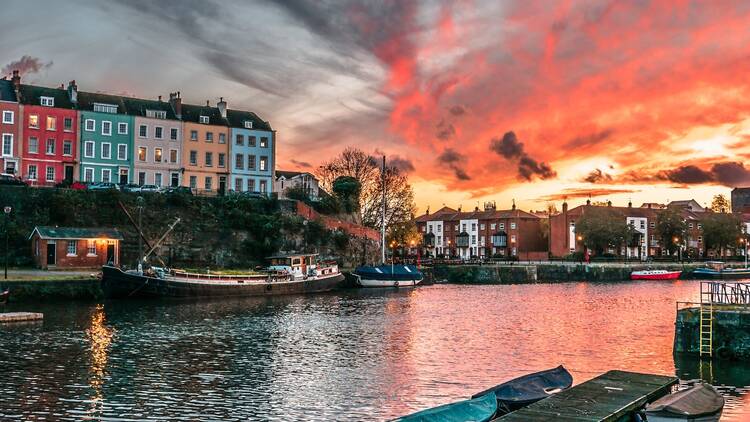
[395,284]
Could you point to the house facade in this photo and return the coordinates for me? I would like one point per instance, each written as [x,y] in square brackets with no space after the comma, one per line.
[204,149]
[296,179]
[252,153]
[50,133]
[74,247]
[510,234]
[106,139]
[10,134]
[157,142]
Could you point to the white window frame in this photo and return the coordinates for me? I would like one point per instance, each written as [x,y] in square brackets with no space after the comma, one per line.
[47,144]
[32,117]
[35,173]
[85,149]
[145,154]
[143,134]
[47,121]
[68,142]
[72,245]
[106,132]
[86,172]
[7,137]
[156,132]
[109,151]
[89,125]
[161,155]
[512,225]
[176,134]
[47,101]
[91,247]
[107,179]
[8,120]
[122,156]
[248,124]
[46,174]
[71,124]
[158,179]
[203,119]
[120,126]
[176,155]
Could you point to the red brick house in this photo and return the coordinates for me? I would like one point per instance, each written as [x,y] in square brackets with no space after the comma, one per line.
[74,247]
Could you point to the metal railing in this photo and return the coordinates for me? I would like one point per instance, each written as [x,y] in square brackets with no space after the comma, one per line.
[723,293]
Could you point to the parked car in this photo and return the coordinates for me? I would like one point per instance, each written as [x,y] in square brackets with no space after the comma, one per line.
[150,188]
[130,187]
[258,195]
[103,186]
[178,189]
[9,179]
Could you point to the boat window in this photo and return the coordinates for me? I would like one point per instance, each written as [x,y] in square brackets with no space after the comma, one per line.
[296,261]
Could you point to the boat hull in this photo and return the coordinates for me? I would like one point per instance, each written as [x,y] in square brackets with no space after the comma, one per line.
[119,284]
[708,418]
[669,275]
[386,283]
[730,274]
[4,296]
[385,275]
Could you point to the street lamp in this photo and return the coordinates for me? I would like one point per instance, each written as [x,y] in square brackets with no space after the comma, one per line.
[7,209]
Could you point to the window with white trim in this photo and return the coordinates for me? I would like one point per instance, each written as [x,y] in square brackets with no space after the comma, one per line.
[47,101]
[89,125]
[33,145]
[203,119]
[91,247]
[173,155]
[159,132]
[88,175]
[156,114]
[8,117]
[122,128]
[157,155]
[122,152]
[209,183]
[238,184]
[50,174]
[34,121]
[106,150]
[67,147]
[157,179]
[263,164]
[88,149]
[512,226]
[142,152]
[68,124]
[72,247]
[50,150]
[248,124]
[106,175]
[106,128]
[51,123]
[7,144]
[32,171]
[143,131]
[222,138]
[193,182]
[105,108]
[173,134]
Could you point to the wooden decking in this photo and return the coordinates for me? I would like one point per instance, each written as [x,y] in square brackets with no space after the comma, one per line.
[608,397]
[20,316]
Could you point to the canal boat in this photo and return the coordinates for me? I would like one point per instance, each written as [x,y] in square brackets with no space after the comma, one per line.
[480,409]
[290,274]
[718,270]
[699,403]
[655,275]
[523,391]
[386,275]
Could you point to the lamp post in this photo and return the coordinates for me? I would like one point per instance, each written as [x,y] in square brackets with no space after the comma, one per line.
[676,241]
[140,202]
[6,210]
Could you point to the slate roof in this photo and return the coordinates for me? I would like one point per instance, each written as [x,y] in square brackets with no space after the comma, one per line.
[30,95]
[236,118]
[86,101]
[290,174]
[7,93]
[138,107]
[192,113]
[49,232]
[446,214]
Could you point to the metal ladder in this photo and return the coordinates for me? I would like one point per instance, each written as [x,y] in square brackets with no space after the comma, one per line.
[706,322]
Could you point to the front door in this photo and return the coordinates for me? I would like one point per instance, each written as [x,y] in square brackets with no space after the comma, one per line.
[51,252]
[124,177]
[69,174]
[111,254]
[175,180]
[222,184]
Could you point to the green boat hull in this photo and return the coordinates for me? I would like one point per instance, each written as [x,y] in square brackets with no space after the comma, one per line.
[480,409]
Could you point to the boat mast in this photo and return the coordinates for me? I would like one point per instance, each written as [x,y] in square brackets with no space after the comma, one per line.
[382,220]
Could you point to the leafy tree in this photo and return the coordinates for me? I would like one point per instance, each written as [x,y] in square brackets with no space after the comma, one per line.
[357,164]
[720,204]
[670,225]
[721,231]
[602,228]
[297,192]
[347,190]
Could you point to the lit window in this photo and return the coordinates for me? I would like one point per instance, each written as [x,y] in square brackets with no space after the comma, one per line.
[33,121]
[263,163]
[263,142]
[142,153]
[157,155]
[512,226]
[92,247]
[263,186]
[72,247]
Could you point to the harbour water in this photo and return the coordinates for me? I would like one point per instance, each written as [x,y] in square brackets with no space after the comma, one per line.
[354,355]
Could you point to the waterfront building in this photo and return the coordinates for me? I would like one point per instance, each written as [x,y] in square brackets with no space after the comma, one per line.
[512,233]
[49,134]
[252,151]
[10,134]
[74,247]
[296,179]
[106,139]
[157,138]
[205,148]
[741,200]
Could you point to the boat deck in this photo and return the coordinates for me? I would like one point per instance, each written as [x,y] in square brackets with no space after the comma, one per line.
[607,398]
[20,316]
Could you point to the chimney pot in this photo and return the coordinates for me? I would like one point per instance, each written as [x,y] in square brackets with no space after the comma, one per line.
[588,202]
[159,98]
[222,106]
[73,92]
[565,207]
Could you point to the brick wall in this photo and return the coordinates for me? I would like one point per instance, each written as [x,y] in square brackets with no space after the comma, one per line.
[331,223]
[80,260]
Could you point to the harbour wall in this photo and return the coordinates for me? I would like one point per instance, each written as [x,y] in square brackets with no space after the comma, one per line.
[731,333]
[543,273]
[86,288]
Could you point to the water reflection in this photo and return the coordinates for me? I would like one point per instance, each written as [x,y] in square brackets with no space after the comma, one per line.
[357,355]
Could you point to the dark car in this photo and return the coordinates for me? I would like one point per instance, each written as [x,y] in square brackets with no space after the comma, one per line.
[9,179]
[103,186]
[130,187]
[179,189]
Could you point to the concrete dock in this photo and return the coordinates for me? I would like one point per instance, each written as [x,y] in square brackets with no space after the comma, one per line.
[20,316]
[610,397]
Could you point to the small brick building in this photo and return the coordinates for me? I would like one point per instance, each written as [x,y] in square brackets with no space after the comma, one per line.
[74,247]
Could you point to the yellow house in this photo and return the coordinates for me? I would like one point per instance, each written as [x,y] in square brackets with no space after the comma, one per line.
[205,148]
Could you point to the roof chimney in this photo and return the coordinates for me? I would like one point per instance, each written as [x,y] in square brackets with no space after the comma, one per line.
[73,92]
[514,205]
[648,205]
[565,207]
[176,102]
[609,203]
[208,103]
[588,202]
[222,105]
[630,204]
[159,98]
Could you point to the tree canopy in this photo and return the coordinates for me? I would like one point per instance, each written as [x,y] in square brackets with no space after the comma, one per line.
[602,228]
[720,203]
[670,226]
[721,230]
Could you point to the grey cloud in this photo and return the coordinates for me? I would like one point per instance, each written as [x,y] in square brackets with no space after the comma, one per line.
[455,161]
[445,130]
[404,165]
[457,110]
[589,140]
[26,65]
[303,164]
[597,176]
[510,148]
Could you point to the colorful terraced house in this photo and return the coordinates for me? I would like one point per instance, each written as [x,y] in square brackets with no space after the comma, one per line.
[10,133]
[106,139]
[158,142]
[252,152]
[205,148]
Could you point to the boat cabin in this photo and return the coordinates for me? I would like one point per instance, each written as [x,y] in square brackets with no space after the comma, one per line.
[298,265]
[75,247]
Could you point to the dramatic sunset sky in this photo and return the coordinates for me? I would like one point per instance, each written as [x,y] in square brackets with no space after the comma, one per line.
[478,100]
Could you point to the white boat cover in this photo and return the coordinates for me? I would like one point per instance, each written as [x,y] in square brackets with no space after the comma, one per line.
[699,400]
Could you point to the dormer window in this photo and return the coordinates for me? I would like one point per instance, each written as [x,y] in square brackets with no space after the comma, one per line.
[204,120]
[47,101]
[248,124]
[105,108]
[156,114]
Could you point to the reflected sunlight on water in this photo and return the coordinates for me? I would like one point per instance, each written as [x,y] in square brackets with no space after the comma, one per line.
[355,355]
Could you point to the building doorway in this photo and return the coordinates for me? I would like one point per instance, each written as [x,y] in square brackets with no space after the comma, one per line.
[222,184]
[124,177]
[51,253]
[110,254]
[69,174]
[175,180]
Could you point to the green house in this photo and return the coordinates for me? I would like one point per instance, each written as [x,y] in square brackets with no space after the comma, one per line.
[106,139]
